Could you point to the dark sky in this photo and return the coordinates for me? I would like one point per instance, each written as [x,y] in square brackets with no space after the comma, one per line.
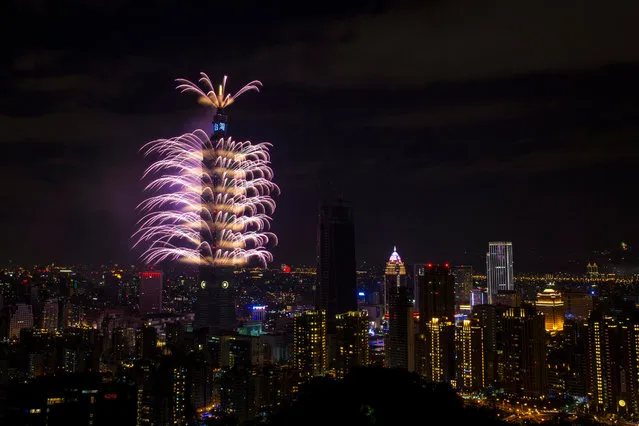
[446,123]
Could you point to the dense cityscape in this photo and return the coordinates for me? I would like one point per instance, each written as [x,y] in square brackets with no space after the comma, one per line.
[100,344]
[171,258]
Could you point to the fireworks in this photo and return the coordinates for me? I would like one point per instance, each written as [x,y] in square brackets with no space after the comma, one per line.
[219,100]
[210,200]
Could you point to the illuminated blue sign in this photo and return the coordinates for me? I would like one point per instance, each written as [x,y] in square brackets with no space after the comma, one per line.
[361,293]
[219,127]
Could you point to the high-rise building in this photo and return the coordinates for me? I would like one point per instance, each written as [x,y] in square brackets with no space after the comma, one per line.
[437,350]
[550,304]
[399,342]
[352,341]
[524,352]
[499,268]
[21,318]
[50,315]
[578,304]
[336,290]
[603,377]
[478,296]
[150,292]
[309,343]
[471,364]
[436,290]
[463,284]
[394,276]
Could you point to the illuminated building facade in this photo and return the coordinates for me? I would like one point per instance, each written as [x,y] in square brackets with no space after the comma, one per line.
[499,268]
[215,305]
[21,318]
[550,304]
[613,363]
[179,401]
[50,315]
[437,350]
[524,369]
[394,276]
[463,275]
[602,369]
[436,290]
[471,366]
[478,296]
[150,292]
[336,287]
[352,341]
[399,341]
[309,343]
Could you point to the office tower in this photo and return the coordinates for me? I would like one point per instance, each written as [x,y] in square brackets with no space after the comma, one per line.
[179,395]
[352,341]
[50,315]
[628,400]
[436,290]
[211,205]
[336,278]
[602,365]
[578,304]
[524,352]
[436,338]
[490,319]
[150,292]
[471,364]
[215,302]
[394,276]
[499,268]
[612,353]
[436,352]
[399,342]
[478,296]
[309,343]
[550,304]
[418,271]
[463,284]
[21,317]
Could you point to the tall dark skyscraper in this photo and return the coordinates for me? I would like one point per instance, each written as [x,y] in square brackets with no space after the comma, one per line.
[436,294]
[336,290]
[215,305]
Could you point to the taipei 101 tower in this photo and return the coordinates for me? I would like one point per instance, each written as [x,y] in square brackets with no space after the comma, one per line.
[214,205]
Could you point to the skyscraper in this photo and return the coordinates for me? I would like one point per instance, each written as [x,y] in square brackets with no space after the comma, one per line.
[436,338]
[399,342]
[524,356]
[215,305]
[352,341]
[150,292]
[463,284]
[499,268]
[436,294]
[309,343]
[394,276]
[336,290]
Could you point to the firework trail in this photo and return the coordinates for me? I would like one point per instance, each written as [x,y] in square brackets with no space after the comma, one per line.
[209,199]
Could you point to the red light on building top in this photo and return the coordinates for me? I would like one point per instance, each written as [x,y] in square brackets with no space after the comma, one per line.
[430,265]
[150,274]
[110,396]
[446,265]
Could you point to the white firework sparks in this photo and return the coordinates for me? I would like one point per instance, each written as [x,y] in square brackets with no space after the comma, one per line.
[210,201]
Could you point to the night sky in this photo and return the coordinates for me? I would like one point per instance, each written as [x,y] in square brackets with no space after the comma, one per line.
[447,124]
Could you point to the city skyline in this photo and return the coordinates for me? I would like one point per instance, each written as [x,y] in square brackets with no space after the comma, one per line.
[537,149]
